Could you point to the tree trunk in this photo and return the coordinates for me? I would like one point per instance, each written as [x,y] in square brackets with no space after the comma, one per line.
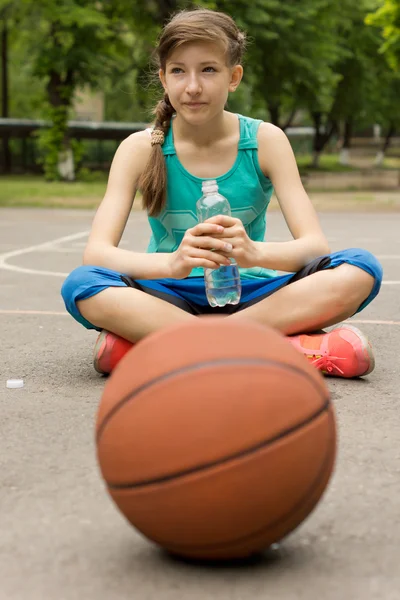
[59,92]
[274,113]
[322,135]
[380,156]
[388,138]
[348,133]
[345,149]
[315,159]
[165,10]
[4,90]
[289,119]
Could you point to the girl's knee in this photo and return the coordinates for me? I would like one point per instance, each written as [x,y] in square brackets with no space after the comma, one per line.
[364,260]
[354,283]
[75,279]
[85,282]
[360,277]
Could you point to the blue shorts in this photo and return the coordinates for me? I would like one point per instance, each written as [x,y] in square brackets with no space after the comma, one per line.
[189,294]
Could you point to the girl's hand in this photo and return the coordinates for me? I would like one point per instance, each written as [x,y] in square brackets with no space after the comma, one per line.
[200,247]
[244,250]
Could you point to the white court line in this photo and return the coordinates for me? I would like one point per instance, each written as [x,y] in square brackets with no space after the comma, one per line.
[388,256]
[50,246]
[5,256]
[372,322]
[34,312]
[7,267]
[65,314]
[61,250]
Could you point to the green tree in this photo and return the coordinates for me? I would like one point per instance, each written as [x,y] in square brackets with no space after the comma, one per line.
[7,25]
[387,18]
[133,88]
[360,71]
[294,47]
[81,42]
[386,101]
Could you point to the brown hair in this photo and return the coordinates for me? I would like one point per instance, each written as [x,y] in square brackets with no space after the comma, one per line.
[186,26]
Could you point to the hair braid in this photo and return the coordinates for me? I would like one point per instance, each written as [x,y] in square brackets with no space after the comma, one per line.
[153,182]
[199,24]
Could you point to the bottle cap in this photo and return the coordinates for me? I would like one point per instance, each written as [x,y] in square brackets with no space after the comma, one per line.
[15,383]
[209,186]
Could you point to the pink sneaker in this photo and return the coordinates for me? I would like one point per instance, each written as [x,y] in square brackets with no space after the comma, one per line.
[108,351]
[344,351]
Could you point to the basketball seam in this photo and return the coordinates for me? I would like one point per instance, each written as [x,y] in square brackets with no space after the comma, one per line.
[197,367]
[330,455]
[222,460]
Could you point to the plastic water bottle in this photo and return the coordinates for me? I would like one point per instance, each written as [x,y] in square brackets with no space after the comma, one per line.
[223,284]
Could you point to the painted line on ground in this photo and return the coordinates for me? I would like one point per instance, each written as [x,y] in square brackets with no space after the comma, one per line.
[61,250]
[50,245]
[34,312]
[65,314]
[372,322]
[5,256]
[15,269]
[388,256]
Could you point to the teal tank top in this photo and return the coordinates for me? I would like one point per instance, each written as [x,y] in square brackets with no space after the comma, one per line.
[246,187]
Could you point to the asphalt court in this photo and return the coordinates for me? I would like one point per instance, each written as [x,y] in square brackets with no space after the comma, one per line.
[60,536]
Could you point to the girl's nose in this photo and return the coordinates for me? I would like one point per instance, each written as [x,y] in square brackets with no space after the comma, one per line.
[193,85]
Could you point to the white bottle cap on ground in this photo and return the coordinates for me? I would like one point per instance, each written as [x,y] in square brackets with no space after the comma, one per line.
[15,383]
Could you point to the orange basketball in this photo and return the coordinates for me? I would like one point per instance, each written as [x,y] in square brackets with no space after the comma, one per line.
[215,437]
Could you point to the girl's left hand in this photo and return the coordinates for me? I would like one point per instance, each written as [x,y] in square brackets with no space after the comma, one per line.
[244,250]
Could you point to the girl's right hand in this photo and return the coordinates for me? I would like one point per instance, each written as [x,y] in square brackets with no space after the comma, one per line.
[199,249]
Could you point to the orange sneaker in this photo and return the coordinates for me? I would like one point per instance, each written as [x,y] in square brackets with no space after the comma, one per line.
[108,351]
[344,351]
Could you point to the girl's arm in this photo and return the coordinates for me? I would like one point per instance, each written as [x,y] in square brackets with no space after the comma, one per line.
[199,247]
[111,217]
[278,162]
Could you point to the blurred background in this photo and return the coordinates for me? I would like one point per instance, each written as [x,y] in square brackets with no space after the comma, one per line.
[77,78]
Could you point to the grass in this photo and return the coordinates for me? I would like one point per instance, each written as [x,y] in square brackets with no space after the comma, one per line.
[34,191]
[328,162]
[350,200]
[391,162]
[28,190]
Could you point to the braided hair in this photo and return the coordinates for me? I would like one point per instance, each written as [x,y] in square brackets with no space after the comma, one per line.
[186,26]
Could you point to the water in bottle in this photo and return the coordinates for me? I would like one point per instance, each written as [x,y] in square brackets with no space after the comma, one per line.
[223,284]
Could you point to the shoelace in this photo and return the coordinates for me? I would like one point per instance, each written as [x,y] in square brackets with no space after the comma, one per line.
[325,363]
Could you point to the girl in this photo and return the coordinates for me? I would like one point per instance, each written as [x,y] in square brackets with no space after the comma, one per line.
[126,295]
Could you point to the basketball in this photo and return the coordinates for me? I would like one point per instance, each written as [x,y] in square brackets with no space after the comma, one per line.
[215,438]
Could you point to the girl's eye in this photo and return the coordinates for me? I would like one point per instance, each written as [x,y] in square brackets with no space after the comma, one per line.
[176,70]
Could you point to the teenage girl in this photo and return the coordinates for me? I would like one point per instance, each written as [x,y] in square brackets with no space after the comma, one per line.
[126,295]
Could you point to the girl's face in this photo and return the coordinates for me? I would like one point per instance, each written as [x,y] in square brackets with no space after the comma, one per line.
[198,80]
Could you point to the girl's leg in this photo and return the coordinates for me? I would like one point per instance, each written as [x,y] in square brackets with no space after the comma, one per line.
[320,300]
[98,298]
[315,302]
[129,313]
[125,315]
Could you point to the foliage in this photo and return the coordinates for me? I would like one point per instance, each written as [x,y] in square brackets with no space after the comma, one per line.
[387,18]
[81,41]
[314,58]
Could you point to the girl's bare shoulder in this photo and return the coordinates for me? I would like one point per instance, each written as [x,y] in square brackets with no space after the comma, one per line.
[137,142]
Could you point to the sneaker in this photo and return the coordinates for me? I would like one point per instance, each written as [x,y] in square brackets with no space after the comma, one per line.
[344,351]
[108,351]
